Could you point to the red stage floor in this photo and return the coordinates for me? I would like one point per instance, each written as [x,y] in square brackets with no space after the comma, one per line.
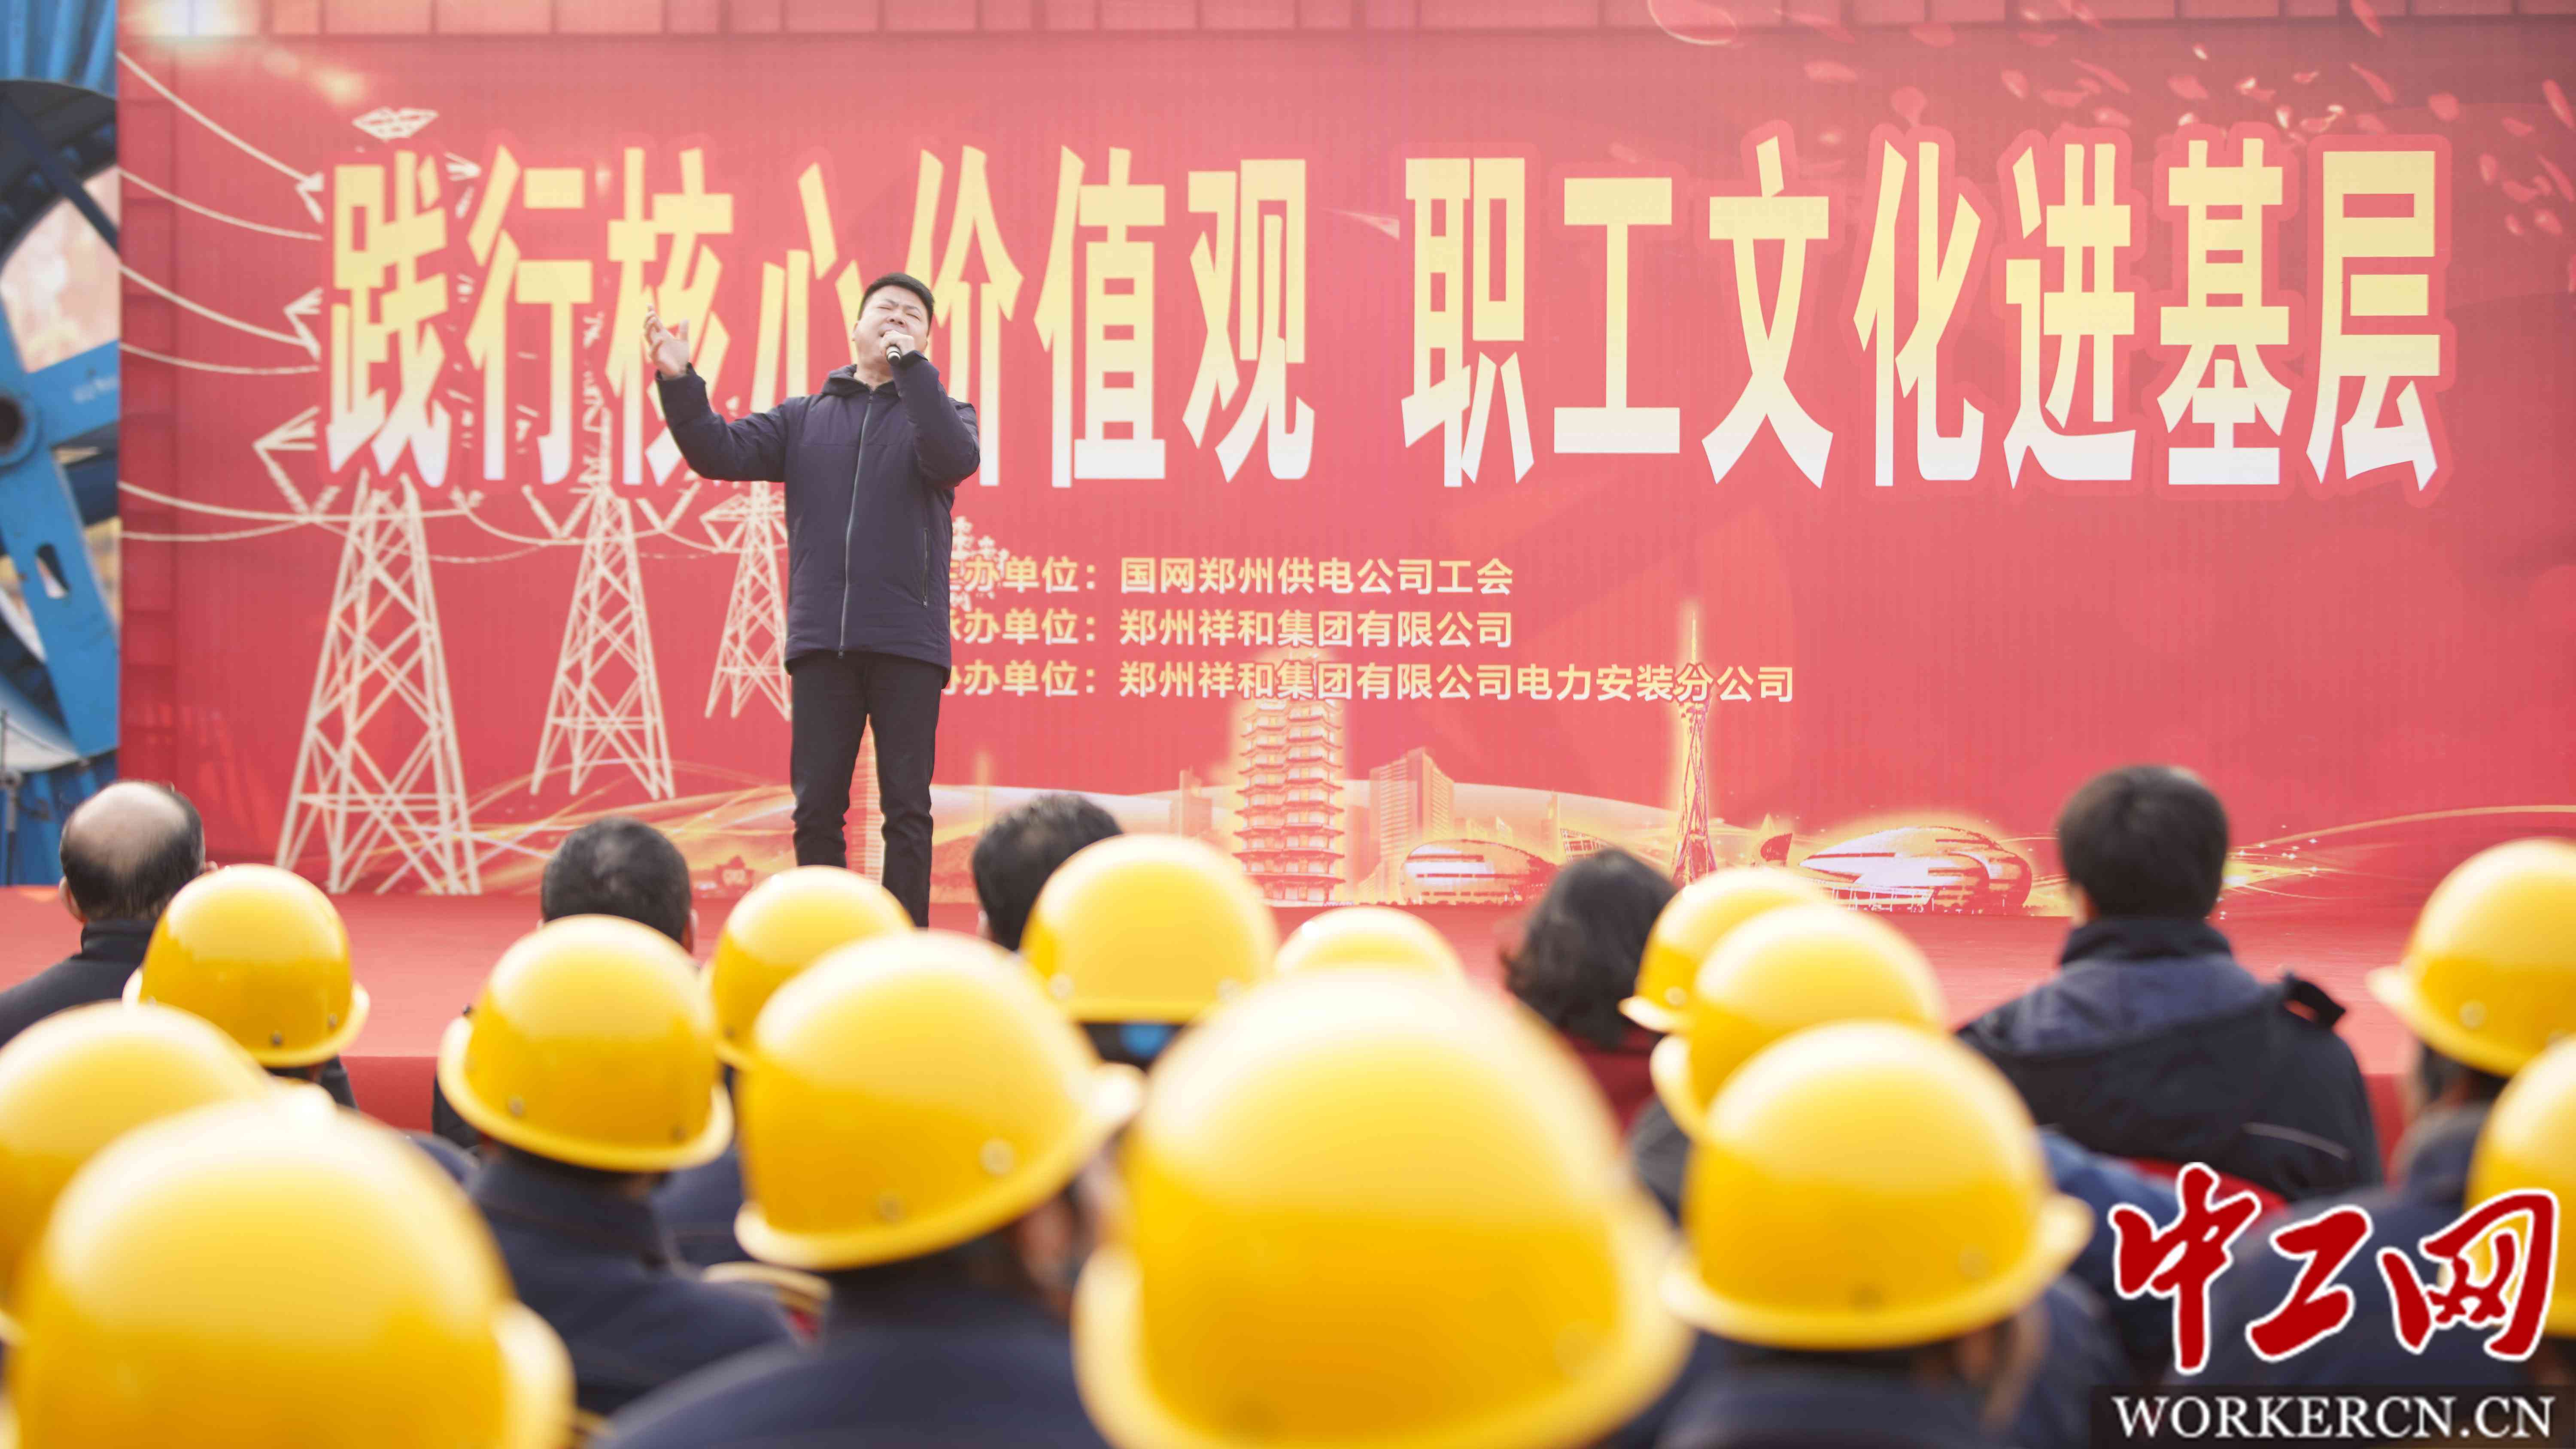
[421,958]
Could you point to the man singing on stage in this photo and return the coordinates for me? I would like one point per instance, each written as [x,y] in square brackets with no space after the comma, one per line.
[871,465]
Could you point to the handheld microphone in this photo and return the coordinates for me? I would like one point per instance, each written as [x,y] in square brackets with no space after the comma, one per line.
[894,352]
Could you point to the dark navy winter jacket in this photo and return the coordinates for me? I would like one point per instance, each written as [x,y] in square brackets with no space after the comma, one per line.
[698,1204]
[900,1366]
[2082,1355]
[871,475]
[109,952]
[2151,1042]
[2433,1172]
[597,1267]
[1796,1407]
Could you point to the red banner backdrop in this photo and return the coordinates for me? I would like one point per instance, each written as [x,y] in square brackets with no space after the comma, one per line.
[1399,449]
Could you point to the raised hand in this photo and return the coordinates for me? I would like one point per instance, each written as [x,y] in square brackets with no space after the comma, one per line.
[666,349]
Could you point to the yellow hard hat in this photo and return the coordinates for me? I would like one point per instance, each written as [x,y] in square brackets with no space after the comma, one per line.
[259,1273]
[2490,976]
[592,1044]
[261,953]
[787,923]
[1148,928]
[78,1080]
[1784,971]
[1690,926]
[908,1094]
[2530,1142]
[1867,1185]
[1367,1208]
[1370,936]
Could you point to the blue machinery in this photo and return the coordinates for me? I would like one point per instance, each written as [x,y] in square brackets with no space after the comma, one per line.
[58,663]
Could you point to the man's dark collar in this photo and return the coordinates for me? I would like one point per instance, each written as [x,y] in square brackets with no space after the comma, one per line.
[846,382]
[118,940]
[906,1302]
[1778,1400]
[2142,938]
[592,1213]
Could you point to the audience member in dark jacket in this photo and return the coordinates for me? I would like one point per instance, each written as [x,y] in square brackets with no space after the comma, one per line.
[2489,981]
[1659,1153]
[587,1252]
[1880,1132]
[1577,961]
[126,851]
[914,1354]
[1013,860]
[2529,1145]
[943,1209]
[2152,1042]
[2431,1189]
[589,1064]
[2080,1354]
[614,866]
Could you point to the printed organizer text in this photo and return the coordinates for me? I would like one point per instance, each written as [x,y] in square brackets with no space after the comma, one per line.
[1690,684]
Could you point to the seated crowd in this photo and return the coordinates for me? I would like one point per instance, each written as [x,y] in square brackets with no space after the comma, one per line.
[1132,1170]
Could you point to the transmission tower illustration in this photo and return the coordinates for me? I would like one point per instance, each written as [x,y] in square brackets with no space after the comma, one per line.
[606,706]
[1693,855]
[752,526]
[378,773]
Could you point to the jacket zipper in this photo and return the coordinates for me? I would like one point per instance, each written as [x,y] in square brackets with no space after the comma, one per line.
[925,565]
[867,404]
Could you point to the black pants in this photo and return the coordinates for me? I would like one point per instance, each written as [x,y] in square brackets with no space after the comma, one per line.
[835,697]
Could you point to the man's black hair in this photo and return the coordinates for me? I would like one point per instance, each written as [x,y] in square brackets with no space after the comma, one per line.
[130,874]
[2148,840]
[619,866]
[1579,953]
[1017,852]
[909,283]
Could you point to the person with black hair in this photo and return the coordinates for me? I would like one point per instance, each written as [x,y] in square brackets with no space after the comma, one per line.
[1790,967]
[1138,936]
[619,866]
[126,851]
[614,866]
[1014,857]
[1578,960]
[871,464]
[1934,1335]
[2488,983]
[1021,848]
[589,1065]
[2151,1042]
[786,925]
